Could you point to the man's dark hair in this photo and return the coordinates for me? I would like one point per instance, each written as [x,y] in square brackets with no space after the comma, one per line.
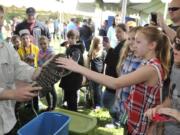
[1,8]
[114,23]
[122,26]
[73,33]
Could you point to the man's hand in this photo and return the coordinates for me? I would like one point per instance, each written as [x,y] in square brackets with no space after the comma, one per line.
[161,23]
[160,20]
[150,113]
[24,92]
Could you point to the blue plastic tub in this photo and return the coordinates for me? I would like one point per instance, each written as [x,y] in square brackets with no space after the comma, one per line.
[48,123]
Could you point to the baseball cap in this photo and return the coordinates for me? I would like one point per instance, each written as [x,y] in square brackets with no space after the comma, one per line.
[131,24]
[30,11]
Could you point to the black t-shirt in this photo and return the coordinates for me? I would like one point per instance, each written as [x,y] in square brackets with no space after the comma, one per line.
[111,61]
[97,64]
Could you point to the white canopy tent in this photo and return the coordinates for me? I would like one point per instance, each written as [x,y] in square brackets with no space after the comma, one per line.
[88,7]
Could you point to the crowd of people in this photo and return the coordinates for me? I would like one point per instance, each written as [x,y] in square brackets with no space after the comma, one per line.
[139,67]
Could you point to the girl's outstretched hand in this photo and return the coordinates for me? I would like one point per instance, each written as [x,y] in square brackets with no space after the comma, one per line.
[68,63]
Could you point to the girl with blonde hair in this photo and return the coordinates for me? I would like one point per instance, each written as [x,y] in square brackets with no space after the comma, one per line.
[96,57]
[128,63]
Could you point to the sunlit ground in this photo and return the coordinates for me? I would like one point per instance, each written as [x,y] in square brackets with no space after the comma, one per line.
[55,43]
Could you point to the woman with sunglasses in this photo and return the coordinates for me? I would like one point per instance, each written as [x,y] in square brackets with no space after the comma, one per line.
[171,106]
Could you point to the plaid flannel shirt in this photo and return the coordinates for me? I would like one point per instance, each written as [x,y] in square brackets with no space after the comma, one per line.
[141,98]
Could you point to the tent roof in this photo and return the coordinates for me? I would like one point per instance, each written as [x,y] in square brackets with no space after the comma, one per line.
[143,9]
[146,8]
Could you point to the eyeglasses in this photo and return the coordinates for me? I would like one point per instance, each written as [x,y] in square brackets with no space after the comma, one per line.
[177,43]
[172,9]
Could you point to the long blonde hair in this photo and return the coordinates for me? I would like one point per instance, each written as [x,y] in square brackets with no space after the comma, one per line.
[126,49]
[162,49]
[95,51]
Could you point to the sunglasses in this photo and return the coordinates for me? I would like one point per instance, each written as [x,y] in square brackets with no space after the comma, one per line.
[177,43]
[172,9]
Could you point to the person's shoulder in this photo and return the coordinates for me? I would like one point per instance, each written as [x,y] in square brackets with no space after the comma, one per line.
[110,50]
[40,24]
[9,48]
[174,27]
[20,50]
[20,24]
[4,45]
[8,45]
[35,46]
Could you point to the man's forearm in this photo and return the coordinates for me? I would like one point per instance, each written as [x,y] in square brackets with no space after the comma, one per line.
[170,32]
[178,116]
[6,95]
[166,103]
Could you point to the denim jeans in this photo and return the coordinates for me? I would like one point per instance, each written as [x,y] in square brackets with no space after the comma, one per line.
[108,99]
[97,93]
[108,102]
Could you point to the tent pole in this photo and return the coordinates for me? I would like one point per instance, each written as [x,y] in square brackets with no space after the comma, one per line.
[165,10]
[123,11]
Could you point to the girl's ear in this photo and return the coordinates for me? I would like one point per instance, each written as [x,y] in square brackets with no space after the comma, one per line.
[153,45]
